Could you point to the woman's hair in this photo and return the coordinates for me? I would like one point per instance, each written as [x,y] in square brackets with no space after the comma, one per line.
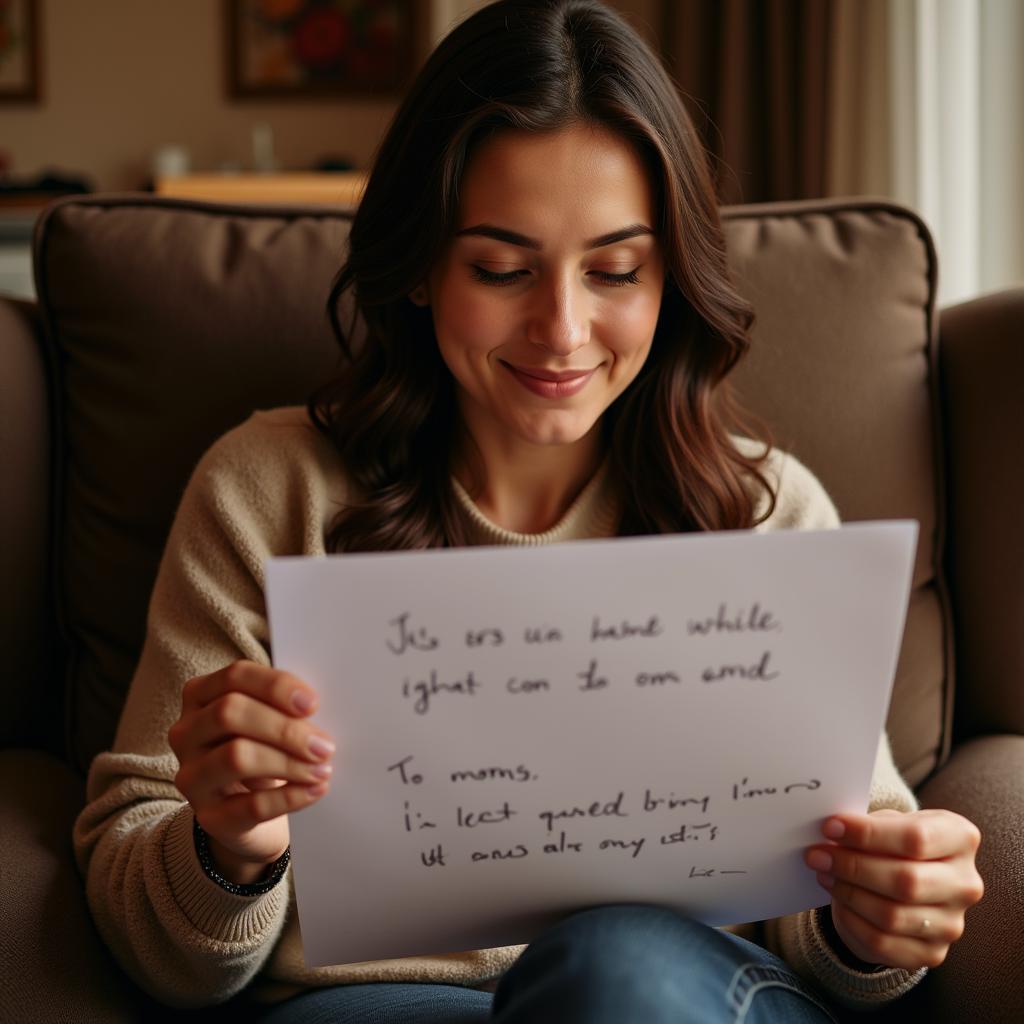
[537,66]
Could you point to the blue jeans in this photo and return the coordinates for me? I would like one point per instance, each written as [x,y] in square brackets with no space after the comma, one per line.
[607,965]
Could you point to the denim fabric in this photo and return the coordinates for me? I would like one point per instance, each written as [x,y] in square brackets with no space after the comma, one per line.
[384,1003]
[607,965]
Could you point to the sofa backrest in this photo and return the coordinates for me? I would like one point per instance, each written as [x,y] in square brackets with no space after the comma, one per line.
[844,369]
[30,688]
[167,322]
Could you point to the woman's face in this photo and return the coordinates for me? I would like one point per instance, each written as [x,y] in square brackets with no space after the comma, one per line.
[545,303]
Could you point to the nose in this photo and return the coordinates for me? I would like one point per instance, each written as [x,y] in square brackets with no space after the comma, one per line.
[559,317]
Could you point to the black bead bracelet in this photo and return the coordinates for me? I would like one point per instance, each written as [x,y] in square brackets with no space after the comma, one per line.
[277,869]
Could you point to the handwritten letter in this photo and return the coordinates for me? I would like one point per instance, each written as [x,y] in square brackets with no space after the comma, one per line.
[523,732]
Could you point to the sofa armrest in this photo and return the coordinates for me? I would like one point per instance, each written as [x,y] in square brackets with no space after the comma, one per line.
[983,977]
[981,352]
[54,964]
[29,715]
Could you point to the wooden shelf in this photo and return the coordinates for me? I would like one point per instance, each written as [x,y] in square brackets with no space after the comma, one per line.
[336,188]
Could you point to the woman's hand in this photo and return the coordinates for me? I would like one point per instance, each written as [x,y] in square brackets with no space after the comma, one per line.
[900,883]
[247,756]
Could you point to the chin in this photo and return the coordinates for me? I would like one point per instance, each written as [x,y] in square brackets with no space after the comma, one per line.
[555,433]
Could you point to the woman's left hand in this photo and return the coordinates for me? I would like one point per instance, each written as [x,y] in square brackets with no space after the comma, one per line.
[900,883]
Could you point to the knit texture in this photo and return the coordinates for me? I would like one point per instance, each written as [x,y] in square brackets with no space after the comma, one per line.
[271,487]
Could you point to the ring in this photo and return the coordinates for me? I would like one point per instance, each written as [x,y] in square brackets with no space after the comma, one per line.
[925,925]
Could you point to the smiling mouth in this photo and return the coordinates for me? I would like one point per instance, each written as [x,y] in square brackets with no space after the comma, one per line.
[555,376]
[551,383]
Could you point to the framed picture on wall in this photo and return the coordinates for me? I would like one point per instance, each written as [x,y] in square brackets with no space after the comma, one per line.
[19,51]
[307,48]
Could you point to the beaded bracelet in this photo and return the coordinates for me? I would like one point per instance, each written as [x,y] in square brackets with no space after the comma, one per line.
[277,869]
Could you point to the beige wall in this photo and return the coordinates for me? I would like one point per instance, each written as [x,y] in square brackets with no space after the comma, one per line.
[121,78]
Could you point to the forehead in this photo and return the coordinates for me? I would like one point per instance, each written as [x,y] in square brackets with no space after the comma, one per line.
[580,181]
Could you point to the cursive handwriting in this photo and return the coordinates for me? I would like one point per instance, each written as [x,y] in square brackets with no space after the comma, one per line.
[613,808]
[518,774]
[512,853]
[759,670]
[414,778]
[470,819]
[671,802]
[489,637]
[591,680]
[744,791]
[426,689]
[625,629]
[739,621]
[417,639]
[541,635]
[691,833]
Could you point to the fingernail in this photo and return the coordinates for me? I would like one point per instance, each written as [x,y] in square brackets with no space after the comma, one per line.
[319,747]
[819,860]
[318,790]
[834,829]
[303,701]
[827,881]
[321,771]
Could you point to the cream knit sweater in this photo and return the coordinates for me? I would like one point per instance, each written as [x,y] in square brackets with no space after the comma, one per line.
[270,487]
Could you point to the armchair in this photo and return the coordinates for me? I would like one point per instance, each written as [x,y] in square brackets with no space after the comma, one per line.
[161,323]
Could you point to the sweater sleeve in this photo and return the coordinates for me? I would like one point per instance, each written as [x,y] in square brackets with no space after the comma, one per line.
[802,503]
[181,937]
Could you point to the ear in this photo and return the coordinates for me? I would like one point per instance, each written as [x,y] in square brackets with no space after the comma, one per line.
[419,295]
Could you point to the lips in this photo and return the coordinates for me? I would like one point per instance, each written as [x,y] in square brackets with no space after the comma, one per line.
[552,375]
[551,383]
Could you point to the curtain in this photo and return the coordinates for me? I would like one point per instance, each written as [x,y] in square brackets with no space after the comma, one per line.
[861,120]
[957,152]
[755,75]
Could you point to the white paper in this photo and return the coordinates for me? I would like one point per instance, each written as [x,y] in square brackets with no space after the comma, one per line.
[523,732]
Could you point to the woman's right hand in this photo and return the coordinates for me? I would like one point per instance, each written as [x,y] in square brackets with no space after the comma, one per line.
[248,755]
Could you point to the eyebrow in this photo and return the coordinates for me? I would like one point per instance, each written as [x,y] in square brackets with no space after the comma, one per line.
[514,238]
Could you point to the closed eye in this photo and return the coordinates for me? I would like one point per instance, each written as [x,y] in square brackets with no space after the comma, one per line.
[617,280]
[489,277]
[511,277]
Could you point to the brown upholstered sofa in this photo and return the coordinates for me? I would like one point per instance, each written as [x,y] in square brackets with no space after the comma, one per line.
[162,323]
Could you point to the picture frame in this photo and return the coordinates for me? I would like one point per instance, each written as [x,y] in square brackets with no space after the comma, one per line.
[302,49]
[19,51]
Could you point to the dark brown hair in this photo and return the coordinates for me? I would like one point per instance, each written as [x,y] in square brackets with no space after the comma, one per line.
[539,66]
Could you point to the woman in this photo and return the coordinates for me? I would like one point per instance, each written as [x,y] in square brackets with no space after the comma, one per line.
[540,270]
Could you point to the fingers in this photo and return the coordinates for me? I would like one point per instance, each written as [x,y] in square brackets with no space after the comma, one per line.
[924,922]
[875,945]
[243,812]
[247,752]
[922,835]
[281,690]
[903,880]
[900,882]
[873,853]
[248,700]
[238,714]
[248,756]
[216,772]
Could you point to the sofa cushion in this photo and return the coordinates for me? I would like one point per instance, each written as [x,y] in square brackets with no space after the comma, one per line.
[844,370]
[169,321]
[54,965]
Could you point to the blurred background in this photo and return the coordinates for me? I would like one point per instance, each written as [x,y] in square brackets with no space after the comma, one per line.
[920,101]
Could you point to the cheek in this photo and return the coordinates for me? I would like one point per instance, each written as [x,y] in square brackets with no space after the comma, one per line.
[630,324]
[465,321]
